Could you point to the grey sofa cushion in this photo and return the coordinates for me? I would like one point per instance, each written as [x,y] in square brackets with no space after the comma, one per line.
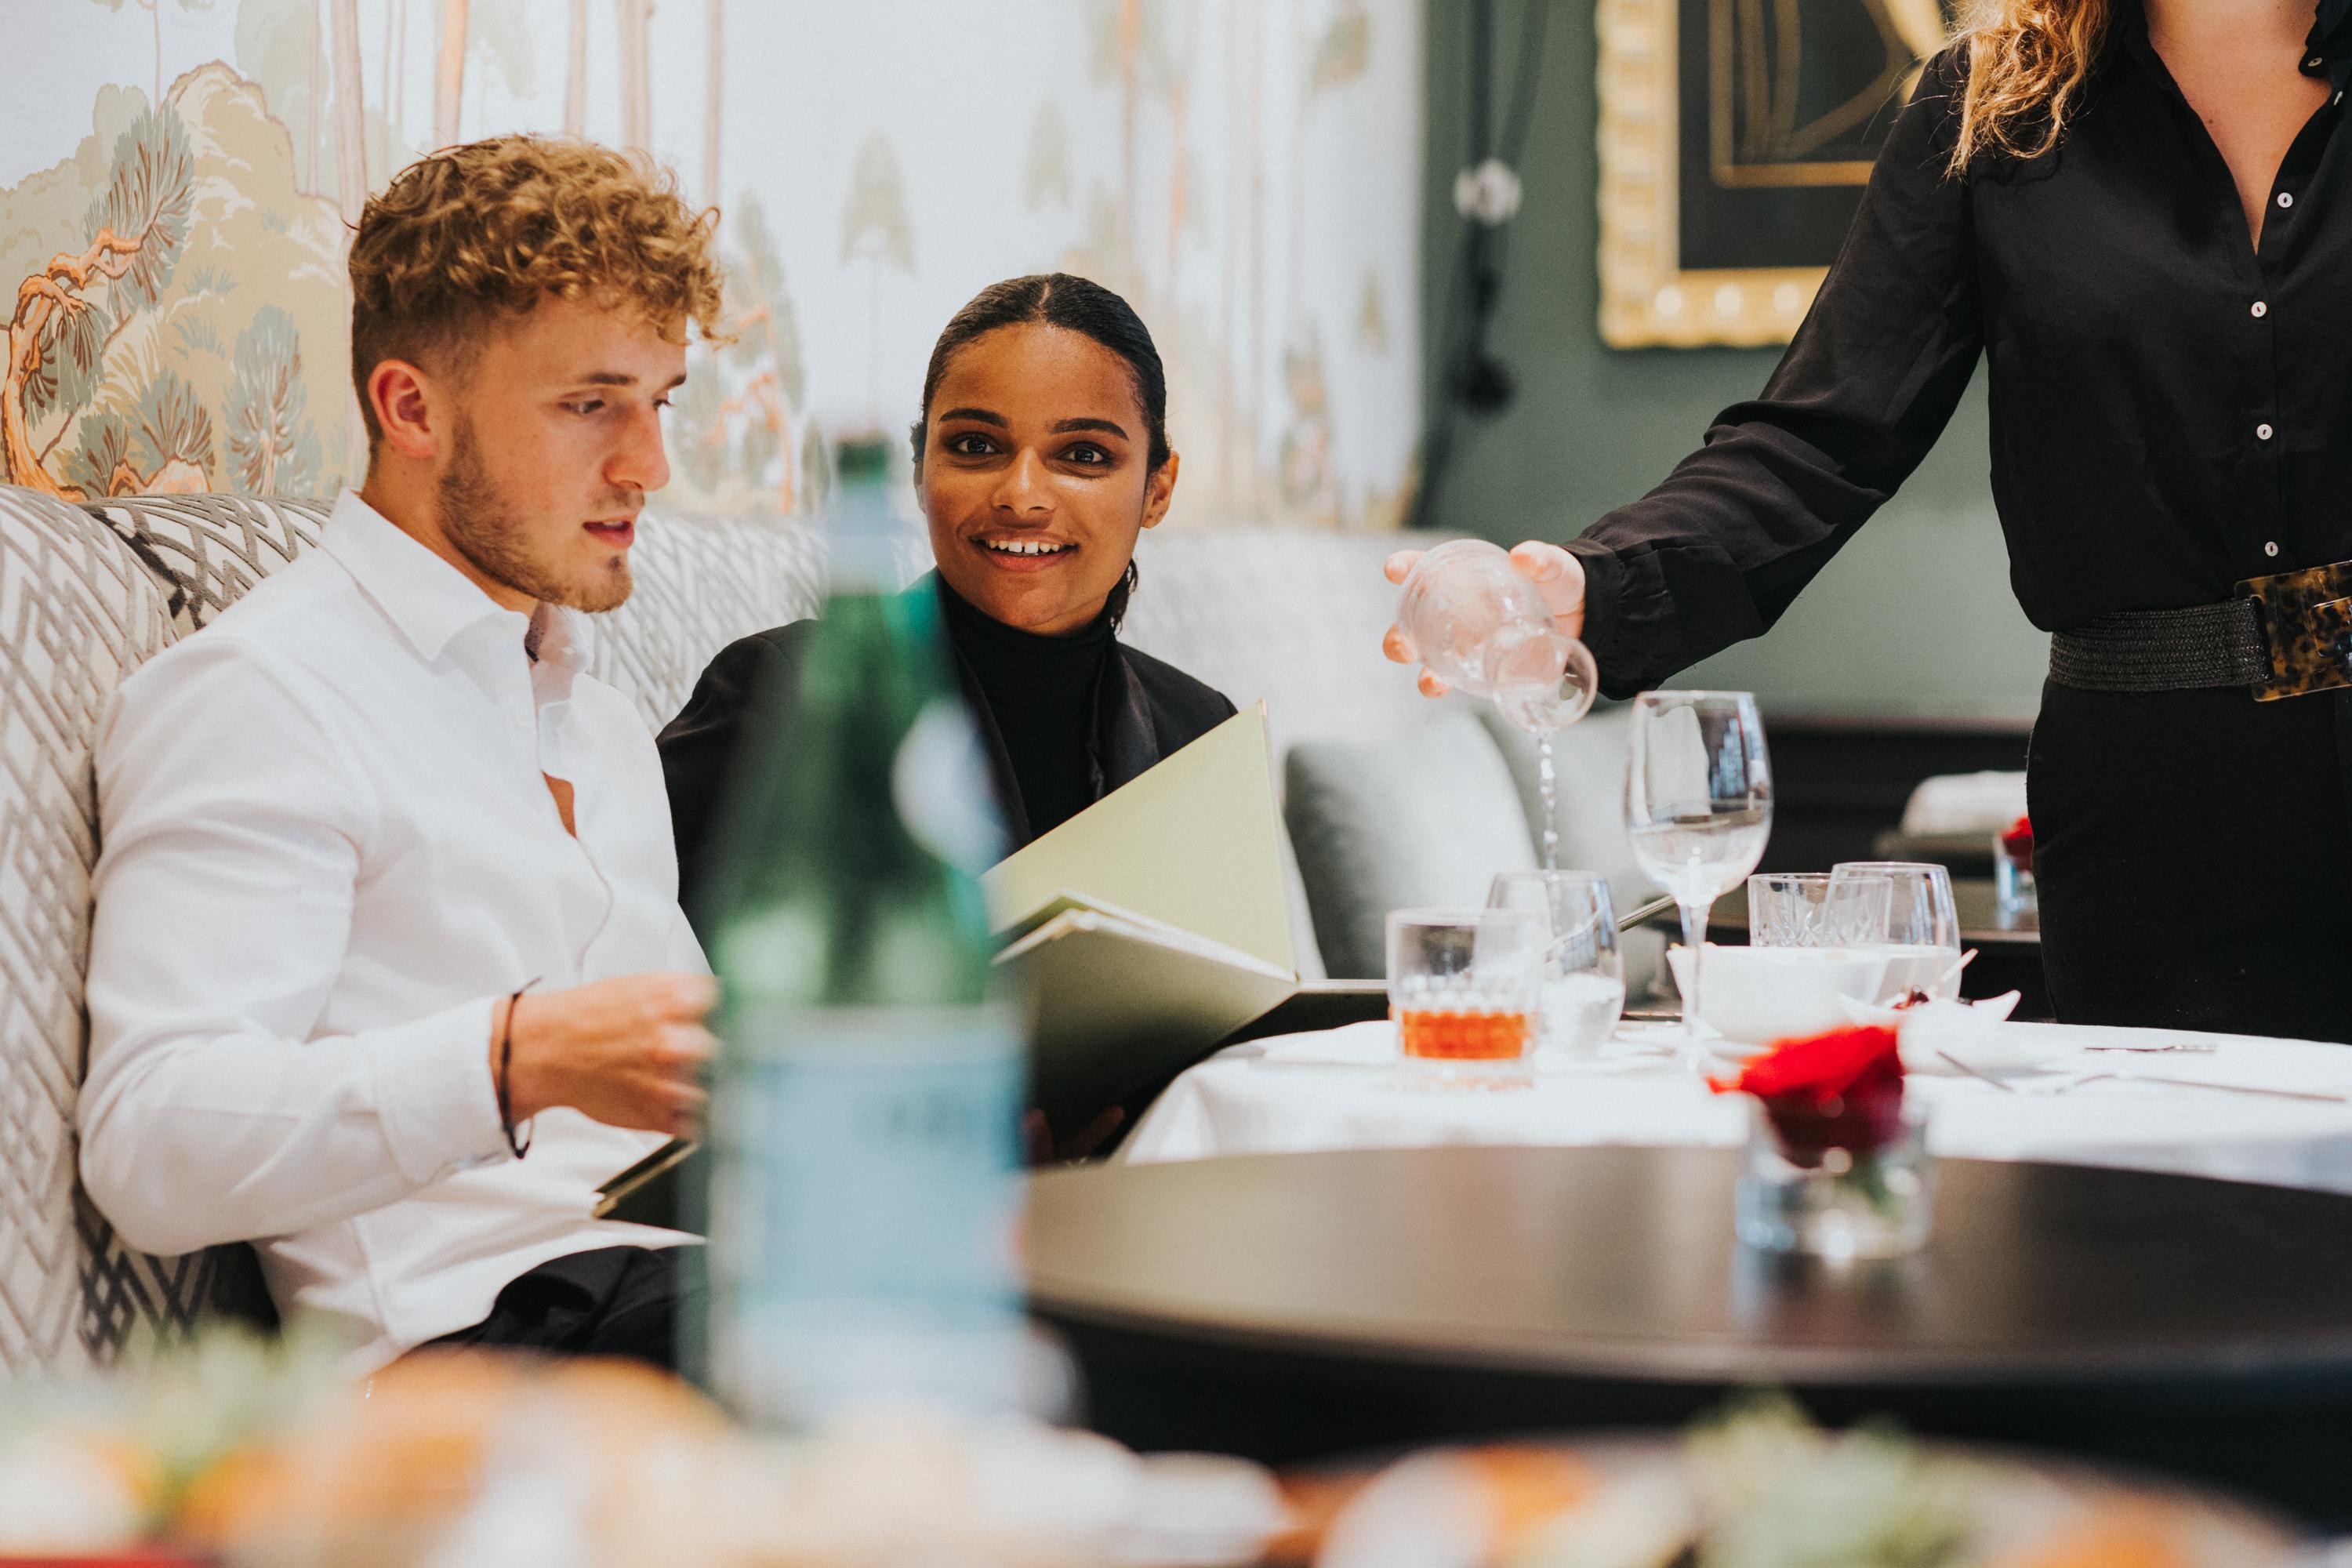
[1424,817]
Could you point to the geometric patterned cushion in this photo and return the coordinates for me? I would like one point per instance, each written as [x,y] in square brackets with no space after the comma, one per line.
[212,548]
[77,612]
[700,582]
[84,602]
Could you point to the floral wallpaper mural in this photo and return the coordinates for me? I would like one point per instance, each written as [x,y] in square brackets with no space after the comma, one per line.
[176,179]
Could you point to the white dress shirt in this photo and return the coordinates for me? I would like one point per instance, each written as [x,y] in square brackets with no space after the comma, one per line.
[327,851]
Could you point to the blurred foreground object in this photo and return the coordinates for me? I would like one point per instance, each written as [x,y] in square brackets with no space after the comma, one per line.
[864,1187]
[448,1459]
[1762,1487]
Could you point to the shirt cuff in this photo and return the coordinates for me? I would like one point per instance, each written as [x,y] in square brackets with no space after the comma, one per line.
[1604,588]
[433,1081]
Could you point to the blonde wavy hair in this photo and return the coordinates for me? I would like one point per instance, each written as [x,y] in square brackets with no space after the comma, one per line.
[475,232]
[2027,61]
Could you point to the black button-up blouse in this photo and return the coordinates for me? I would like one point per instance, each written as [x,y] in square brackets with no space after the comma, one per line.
[2172,412]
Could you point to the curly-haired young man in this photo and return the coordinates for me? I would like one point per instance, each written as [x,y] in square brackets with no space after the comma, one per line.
[387,969]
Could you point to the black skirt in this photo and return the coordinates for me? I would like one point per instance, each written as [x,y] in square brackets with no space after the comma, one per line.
[2193,851]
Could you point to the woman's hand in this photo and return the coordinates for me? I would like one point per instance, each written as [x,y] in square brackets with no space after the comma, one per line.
[1555,574]
[1040,1147]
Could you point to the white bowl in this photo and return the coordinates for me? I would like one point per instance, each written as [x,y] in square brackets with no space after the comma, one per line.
[1755,996]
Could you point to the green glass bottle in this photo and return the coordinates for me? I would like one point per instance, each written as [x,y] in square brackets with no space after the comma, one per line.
[863,1189]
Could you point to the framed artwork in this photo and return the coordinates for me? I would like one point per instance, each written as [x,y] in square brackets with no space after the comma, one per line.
[1736,138]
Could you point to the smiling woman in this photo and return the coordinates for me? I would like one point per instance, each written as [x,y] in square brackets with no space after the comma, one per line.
[1041,455]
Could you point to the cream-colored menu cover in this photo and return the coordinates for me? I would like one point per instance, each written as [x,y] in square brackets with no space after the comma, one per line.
[1194,843]
[1154,925]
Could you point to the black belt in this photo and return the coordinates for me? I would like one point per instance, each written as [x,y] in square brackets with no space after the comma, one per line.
[2283,635]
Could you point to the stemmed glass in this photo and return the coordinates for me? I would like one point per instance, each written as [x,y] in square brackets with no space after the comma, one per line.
[1698,806]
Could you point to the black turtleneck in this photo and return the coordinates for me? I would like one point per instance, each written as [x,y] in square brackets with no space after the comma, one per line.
[1043,693]
[1068,719]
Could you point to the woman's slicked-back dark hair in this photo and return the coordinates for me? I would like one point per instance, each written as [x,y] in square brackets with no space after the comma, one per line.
[1075,304]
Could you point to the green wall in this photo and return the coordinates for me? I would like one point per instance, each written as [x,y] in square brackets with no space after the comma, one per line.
[1914,617]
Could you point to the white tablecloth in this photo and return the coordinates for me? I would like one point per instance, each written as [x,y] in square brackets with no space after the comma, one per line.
[1343,1090]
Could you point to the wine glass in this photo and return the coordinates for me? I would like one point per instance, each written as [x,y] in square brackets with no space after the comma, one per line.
[1921,929]
[1698,806]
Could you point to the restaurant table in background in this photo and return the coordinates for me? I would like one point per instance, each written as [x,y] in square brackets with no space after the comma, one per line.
[1298,1306]
[2008,947]
[1341,1089]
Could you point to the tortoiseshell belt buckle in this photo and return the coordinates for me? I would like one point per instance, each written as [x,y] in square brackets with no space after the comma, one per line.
[2306,620]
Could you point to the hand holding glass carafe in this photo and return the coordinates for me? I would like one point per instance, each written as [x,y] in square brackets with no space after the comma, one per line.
[1479,623]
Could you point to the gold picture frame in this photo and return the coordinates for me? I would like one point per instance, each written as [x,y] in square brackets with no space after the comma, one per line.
[1649,298]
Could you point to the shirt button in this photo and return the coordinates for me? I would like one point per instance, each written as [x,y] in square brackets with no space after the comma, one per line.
[2286,198]
[2271,549]
[2313,63]
[2261,310]
[2262,433]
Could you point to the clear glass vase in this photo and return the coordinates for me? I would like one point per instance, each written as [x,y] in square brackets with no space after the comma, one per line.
[1837,1204]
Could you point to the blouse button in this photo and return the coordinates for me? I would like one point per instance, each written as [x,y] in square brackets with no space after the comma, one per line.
[2271,549]
[2261,310]
[2286,198]
[2261,432]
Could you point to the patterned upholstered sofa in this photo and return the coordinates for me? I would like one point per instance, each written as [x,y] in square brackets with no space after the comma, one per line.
[87,592]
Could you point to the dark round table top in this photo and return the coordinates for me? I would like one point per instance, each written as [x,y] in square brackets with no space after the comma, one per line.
[1622,1264]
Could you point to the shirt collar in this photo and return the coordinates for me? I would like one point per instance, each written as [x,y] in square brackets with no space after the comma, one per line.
[431,602]
[2328,49]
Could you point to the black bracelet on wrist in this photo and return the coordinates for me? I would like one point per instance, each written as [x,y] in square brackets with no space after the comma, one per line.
[498,1081]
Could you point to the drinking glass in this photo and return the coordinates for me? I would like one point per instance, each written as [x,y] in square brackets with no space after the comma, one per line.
[1463,988]
[1920,932]
[1814,909]
[1479,625]
[1699,805]
[1580,985]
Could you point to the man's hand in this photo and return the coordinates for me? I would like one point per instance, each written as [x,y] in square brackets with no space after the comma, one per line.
[1559,575]
[628,1051]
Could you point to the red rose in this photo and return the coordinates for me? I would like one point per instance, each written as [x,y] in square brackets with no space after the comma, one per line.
[2017,844]
[1843,1089]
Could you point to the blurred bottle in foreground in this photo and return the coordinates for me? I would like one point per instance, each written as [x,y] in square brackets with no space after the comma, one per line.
[863,1189]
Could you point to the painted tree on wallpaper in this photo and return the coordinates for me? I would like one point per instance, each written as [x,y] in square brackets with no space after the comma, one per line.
[273,447]
[140,356]
[205,341]
[1342,56]
[736,413]
[878,230]
[75,309]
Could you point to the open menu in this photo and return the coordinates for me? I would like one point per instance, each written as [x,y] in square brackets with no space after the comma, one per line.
[1145,933]
[1154,926]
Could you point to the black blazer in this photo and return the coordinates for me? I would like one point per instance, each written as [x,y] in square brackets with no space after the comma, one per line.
[1145,709]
